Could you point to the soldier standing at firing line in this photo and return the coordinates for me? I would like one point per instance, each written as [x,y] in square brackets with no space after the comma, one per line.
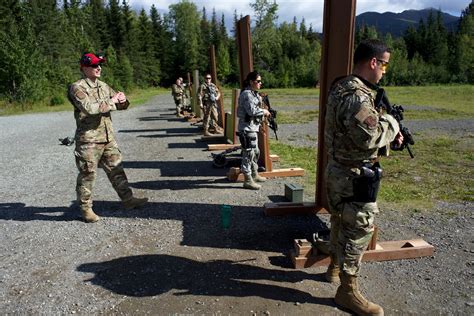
[177,91]
[354,132]
[93,101]
[208,96]
[250,113]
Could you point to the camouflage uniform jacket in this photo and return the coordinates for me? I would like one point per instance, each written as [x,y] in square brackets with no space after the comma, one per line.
[249,111]
[91,125]
[208,92]
[177,91]
[354,130]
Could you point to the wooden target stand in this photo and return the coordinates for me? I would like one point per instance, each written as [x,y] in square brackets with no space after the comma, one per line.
[244,41]
[337,52]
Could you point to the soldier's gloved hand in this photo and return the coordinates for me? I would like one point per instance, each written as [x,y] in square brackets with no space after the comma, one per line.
[399,139]
[119,98]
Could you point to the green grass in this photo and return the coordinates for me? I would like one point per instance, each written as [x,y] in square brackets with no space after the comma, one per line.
[449,99]
[294,117]
[136,97]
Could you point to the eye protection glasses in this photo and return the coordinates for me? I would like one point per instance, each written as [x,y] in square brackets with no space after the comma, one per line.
[383,64]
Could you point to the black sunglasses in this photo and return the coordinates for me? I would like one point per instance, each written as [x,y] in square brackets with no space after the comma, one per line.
[208,78]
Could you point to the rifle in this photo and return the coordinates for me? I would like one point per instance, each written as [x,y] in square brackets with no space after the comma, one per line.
[272,123]
[395,110]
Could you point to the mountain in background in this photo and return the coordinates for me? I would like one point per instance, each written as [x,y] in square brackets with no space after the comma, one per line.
[397,23]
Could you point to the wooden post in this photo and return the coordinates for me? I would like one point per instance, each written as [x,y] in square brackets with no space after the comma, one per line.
[196,107]
[336,61]
[244,43]
[220,102]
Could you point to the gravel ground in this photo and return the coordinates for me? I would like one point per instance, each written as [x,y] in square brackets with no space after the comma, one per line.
[173,256]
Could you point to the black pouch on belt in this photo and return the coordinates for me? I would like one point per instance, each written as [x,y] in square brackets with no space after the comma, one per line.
[366,186]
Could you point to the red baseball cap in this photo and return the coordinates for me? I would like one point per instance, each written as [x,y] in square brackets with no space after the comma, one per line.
[90,59]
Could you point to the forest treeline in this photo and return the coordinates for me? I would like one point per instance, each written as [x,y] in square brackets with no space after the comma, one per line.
[42,41]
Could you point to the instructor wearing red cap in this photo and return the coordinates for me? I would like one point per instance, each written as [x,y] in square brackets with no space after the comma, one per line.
[93,101]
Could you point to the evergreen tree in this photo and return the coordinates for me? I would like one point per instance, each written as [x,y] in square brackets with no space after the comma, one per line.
[22,77]
[187,33]
[464,46]
[266,44]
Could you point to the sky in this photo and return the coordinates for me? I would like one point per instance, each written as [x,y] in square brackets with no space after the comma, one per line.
[311,11]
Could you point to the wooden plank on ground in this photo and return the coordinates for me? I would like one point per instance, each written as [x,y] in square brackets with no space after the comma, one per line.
[212,147]
[384,251]
[234,174]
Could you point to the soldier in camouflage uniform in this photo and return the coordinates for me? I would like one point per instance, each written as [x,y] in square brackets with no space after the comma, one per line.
[208,96]
[93,101]
[178,93]
[354,132]
[250,113]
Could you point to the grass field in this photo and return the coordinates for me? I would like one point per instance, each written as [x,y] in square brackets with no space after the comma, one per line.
[136,97]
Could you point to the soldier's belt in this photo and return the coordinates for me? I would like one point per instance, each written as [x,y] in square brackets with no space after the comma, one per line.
[356,163]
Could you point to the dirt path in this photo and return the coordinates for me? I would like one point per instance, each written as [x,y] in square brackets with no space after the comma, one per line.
[173,256]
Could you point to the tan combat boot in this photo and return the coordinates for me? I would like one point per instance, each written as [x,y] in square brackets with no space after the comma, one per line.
[88,215]
[134,202]
[349,297]
[218,129]
[332,273]
[206,132]
[257,177]
[250,184]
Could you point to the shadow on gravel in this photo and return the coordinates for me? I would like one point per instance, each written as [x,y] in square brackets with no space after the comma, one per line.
[188,145]
[159,118]
[21,212]
[183,185]
[174,131]
[250,228]
[150,275]
[183,168]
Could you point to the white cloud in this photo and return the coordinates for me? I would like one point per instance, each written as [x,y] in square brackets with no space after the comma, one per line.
[311,11]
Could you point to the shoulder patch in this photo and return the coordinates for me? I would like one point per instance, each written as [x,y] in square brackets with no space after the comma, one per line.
[371,121]
[80,95]
[365,116]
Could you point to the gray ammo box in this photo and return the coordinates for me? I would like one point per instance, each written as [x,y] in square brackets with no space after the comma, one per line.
[294,192]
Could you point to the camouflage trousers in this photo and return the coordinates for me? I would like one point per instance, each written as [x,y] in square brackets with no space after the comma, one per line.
[250,156]
[107,156]
[352,223]
[179,101]
[210,112]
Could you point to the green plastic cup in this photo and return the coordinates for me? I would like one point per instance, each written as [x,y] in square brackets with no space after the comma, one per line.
[226,214]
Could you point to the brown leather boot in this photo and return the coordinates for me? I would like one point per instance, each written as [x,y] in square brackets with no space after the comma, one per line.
[134,202]
[88,215]
[250,184]
[349,297]
[332,273]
